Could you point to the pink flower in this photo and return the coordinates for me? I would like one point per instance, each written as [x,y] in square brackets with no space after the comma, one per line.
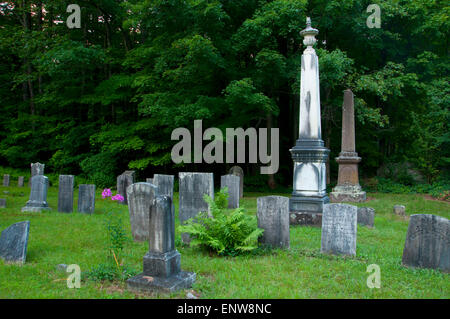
[118,197]
[106,193]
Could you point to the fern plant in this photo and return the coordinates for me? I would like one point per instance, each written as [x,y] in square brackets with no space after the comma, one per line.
[225,233]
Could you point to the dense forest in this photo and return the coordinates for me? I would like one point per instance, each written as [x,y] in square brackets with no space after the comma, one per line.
[103,98]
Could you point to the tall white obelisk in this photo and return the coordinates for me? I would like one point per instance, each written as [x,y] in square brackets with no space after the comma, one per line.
[309,154]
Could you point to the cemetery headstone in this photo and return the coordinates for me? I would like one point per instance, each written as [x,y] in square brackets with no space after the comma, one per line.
[149,180]
[273,217]
[232,183]
[427,243]
[192,188]
[38,195]
[2,202]
[140,198]
[36,169]
[14,242]
[123,181]
[162,263]
[366,216]
[399,210]
[339,226]
[86,198]
[6,180]
[165,184]
[65,193]
[238,171]
[20,181]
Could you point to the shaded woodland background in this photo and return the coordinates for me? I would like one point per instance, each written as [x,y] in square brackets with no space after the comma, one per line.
[104,98]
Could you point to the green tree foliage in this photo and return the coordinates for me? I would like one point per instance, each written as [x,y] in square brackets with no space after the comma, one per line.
[104,98]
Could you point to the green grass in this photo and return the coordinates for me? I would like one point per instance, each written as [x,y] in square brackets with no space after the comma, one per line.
[301,272]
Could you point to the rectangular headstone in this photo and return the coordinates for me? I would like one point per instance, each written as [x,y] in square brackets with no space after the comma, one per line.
[38,195]
[20,181]
[86,198]
[238,171]
[366,216]
[2,203]
[123,181]
[140,198]
[273,217]
[232,183]
[427,243]
[192,188]
[162,267]
[6,180]
[149,180]
[14,242]
[339,227]
[65,193]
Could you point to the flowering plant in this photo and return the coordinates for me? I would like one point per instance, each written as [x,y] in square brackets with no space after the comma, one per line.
[107,193]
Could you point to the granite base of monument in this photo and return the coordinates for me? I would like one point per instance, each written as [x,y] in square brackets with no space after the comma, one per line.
[306,211]
[145,283]
[350,193]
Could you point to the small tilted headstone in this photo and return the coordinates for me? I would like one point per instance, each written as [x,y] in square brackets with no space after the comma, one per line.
[427,243]
[238,171]
[86,198]
[123,182]
[232,183]
[14,242]
[20,181]
[399,210]
[339,226]
[162,263]
[38,195]
[65,193]
[366,216]
[140,198]
[273,217]
[6,180]
[2,202]
[193,186]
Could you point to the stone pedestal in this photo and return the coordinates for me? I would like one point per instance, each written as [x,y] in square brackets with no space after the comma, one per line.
[348,188]
[309,154]
[162,270]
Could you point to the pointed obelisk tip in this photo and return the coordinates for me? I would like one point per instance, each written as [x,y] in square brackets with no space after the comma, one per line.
[308,22]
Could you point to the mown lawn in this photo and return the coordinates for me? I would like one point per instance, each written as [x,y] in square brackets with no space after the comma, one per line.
[301,272]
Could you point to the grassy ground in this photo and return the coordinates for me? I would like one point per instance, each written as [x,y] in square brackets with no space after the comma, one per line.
[301,272]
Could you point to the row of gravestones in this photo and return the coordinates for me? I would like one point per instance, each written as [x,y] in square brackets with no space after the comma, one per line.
[6,180]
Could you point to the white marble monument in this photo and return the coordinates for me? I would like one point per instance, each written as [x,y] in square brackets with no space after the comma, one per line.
[309,154]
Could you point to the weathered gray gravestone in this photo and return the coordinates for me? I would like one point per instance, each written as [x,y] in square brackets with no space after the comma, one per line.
[427,243]
[36,169]
[162,270]
[65,193]
[273,217]
[232,183]
[238,171]
[123,181]
[38,195]
[86,198]
[14,242]
[339,227]
[140,198]
[192,188]
[149,180]
[2,203]
[20,181]
[165,184]
[366,216]
[399,210]
[6,180]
